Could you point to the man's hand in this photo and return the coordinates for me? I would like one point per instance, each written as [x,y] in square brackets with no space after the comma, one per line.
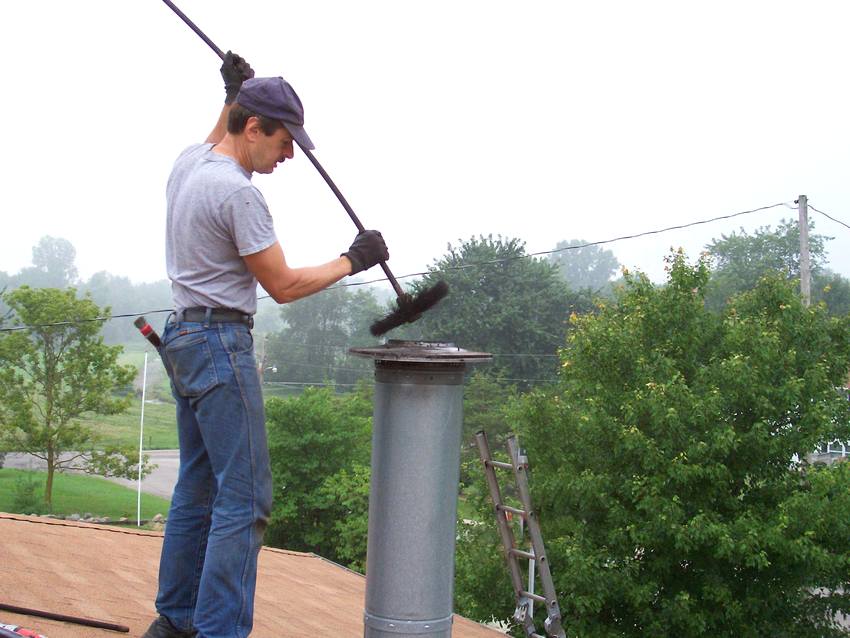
[234,71]
[366,251]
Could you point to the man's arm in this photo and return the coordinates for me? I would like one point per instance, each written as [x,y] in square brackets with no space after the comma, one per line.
[234,70]
[287,284]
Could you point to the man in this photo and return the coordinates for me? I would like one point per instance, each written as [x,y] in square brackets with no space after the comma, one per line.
[220,242]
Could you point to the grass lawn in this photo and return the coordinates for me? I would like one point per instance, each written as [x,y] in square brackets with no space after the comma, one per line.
[160,422]
[76,493]
[158,386]
[123,429]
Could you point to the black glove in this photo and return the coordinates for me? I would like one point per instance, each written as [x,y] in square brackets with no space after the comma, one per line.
[234,71]
[366,251]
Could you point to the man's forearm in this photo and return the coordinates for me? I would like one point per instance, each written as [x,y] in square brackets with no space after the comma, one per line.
[302,282]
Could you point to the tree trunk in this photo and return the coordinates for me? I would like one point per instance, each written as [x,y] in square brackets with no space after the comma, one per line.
[48,487]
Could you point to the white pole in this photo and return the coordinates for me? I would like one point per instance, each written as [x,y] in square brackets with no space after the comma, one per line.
[141,443]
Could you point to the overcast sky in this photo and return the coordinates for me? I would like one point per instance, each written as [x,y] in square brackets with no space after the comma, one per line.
[438,120]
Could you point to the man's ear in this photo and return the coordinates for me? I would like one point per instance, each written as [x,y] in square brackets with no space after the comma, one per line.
[252,128]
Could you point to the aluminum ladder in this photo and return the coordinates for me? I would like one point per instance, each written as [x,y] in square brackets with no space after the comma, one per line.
[524,614]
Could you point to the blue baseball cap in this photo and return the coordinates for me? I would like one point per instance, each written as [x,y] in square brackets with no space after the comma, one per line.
[275,98]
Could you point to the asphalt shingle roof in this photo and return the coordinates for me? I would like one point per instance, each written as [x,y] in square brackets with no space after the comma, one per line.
[109,574]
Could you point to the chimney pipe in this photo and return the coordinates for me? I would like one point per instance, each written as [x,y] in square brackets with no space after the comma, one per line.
[416,438]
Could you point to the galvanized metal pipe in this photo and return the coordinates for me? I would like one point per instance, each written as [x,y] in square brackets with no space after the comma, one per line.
[418,415]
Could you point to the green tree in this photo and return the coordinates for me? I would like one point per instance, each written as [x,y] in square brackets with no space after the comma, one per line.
[833,290]
[483,587]
[52,265]
[125,297]
[344,497]
[318,442]
[313,346]
[741,259]
[583,266]
[5,313]
[668,465]
[486,400]
[53,373]
[504,302]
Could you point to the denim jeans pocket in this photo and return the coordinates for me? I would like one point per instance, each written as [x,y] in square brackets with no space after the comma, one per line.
[192,365]
[237,340]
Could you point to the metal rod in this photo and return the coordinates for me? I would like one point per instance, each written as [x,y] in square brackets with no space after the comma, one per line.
[512,510]
[351,213]
[88,622]
[537,597]
[195,28]
[504,466]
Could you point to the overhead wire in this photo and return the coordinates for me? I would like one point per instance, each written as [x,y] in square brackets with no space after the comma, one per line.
[444,269]
[837,221]
[566,248]
[73,322]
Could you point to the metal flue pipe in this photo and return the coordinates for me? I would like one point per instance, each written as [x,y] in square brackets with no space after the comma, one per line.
[416,438]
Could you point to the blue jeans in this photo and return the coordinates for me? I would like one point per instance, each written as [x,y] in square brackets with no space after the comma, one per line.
[222,499]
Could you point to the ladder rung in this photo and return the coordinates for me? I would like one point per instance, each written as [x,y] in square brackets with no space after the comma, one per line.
[539,599]
[523,553]
[504,466]
[512,510]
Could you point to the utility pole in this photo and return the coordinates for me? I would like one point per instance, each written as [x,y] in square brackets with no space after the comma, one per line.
[805,261]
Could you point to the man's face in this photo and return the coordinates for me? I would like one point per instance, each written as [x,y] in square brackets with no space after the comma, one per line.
[270,150]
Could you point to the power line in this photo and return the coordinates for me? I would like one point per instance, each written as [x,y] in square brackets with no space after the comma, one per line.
[323,367]
[309,384]
[655,232]
[73,322]
[452,268]
[576,247]
[837,221]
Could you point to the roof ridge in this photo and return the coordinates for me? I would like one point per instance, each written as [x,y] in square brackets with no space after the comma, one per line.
[39,520]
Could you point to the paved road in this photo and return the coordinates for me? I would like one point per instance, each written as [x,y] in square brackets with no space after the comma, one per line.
[160,482]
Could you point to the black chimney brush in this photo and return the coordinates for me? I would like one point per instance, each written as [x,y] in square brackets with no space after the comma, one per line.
[409,308]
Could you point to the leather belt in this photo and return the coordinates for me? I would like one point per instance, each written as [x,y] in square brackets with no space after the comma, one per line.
[216,315]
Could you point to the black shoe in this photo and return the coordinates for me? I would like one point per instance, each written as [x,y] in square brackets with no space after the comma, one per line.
[162,628]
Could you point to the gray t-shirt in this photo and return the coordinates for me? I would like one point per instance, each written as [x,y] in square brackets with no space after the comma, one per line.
[215,217]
